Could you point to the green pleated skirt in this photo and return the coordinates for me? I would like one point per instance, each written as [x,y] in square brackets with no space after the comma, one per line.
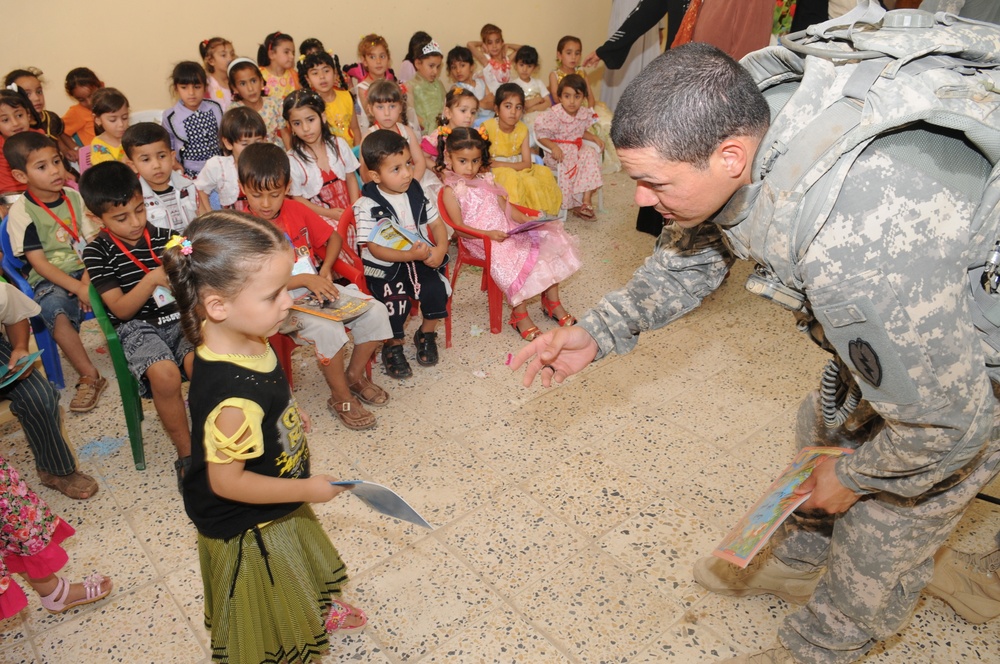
[264,609]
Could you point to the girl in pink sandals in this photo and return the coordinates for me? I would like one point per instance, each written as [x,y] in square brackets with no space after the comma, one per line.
[30,536]
[523,264]
[272,578]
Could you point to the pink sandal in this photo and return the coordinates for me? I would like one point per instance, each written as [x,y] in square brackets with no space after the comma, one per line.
[55,602]
[340,612]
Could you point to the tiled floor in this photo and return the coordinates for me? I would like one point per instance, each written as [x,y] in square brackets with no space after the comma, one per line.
[566,520]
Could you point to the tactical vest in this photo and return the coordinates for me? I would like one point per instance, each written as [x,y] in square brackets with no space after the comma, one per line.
[839,85]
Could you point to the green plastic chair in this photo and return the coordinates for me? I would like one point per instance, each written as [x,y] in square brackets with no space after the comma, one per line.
[127,384]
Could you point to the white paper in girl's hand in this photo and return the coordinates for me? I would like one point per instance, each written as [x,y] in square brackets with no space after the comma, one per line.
[385,501]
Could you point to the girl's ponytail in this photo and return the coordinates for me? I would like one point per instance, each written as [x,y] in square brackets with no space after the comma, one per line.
[263,59]
[177,259]
[340,75]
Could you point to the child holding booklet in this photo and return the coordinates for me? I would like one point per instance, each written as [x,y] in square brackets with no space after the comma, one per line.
[394,276]
[269,571]
[265,176]
[523,264]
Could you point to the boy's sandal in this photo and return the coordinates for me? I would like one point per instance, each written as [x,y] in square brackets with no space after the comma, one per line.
[340,612]
[427,350]
[549,306]
[369,392]
[395,362]
[55,602]
[76,485]
[88,391]
[585,212]
[351,414]
[527,335]
[181,467]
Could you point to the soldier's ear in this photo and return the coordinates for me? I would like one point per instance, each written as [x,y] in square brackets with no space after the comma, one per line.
[733,156]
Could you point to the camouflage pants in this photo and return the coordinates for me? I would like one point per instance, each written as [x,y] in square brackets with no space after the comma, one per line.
[878,556]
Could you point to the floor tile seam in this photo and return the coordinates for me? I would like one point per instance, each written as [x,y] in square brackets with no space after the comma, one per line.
[189,620]
[89,610]
[712,518]
[586,534]
[147,549]
[507,599]
[621,568]
[28,639]
[742,441]
[468,564]
[648,650]
[466,622]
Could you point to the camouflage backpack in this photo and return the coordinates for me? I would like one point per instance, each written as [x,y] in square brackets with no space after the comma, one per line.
[839,85]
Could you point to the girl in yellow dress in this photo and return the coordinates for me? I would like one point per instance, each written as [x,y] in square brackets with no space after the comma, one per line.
[527,183]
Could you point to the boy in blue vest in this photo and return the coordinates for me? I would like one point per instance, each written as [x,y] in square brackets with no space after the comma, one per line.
[395,276]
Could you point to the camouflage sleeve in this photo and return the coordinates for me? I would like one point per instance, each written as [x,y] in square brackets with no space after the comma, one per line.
[885,279]
[686,266]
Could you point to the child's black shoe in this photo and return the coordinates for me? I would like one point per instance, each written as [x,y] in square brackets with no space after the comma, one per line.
[427,349]
[395,362]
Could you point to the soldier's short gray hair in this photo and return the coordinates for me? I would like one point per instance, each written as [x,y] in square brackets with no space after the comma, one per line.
[686,102]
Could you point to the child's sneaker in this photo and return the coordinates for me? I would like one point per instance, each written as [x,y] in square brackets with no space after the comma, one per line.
[395,362]
[88,391]
[427,350]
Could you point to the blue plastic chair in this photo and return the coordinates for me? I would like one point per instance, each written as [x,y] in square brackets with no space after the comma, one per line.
[12,267]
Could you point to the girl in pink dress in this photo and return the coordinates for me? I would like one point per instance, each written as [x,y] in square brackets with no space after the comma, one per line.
[562,130]
[29,545]
[523,264]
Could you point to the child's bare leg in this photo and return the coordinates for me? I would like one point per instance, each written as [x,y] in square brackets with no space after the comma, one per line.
[336,379]
[525,323]
[429,325]
[165,381]
[348,410]
[588,196]
[558,312]
[71,344]
[359,360]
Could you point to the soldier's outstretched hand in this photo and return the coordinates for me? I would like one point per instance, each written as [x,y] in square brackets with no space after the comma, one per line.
[556,355]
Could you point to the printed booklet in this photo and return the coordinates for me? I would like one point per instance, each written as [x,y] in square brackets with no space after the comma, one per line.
[754,530]
[7,376]
[344,309]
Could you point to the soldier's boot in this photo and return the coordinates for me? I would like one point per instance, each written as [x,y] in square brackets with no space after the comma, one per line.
[764,575]
[968,582]
[776,655]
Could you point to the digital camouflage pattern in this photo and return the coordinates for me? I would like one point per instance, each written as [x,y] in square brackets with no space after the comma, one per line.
[879,231]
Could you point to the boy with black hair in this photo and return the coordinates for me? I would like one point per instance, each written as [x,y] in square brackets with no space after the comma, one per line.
[125,266]
[171,199]
[395,276]
[265,176]
[48,228]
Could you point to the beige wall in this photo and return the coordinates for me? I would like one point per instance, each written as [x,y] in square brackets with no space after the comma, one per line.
[133,45]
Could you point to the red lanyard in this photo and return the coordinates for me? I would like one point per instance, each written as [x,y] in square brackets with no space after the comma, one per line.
[73,232]
[124,249]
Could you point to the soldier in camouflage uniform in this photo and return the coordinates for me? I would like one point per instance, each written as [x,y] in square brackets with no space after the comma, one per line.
[885,284]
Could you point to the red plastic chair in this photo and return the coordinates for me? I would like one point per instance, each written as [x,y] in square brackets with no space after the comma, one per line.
[351,270]
[493,293]
[347,229]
